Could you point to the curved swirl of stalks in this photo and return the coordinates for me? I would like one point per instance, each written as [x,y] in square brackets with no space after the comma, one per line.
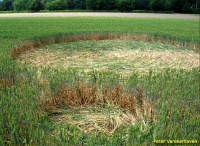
[86,96]
[32,44]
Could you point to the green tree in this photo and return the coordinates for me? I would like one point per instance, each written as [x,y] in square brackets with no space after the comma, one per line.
[157,5]
[36,5]
[70,4]
[92,4]
[107,4]
[20,5]
[56,5]
[46,1]
[184,6]
[142,4]
[111,4]
[154,5]
[187,8]
[125,5]
[177,5]
[89,4]
[101,4]
[168,6]
[80,4]
[6,5]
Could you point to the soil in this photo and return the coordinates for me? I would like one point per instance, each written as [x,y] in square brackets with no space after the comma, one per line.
[101,14]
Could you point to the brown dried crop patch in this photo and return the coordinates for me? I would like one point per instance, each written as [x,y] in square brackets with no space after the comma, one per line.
[6,82]
[85,96]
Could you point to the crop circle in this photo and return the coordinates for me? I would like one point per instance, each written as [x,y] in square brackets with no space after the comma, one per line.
[114,53]
[119,56]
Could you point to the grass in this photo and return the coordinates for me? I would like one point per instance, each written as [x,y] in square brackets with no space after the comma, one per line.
[36,108]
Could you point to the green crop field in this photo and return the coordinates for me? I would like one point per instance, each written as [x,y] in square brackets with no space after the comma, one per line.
[99,81]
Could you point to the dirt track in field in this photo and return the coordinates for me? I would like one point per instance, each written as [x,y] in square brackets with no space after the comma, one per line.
[101,14]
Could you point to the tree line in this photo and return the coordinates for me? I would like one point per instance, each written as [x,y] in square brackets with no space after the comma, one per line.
[178,6]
